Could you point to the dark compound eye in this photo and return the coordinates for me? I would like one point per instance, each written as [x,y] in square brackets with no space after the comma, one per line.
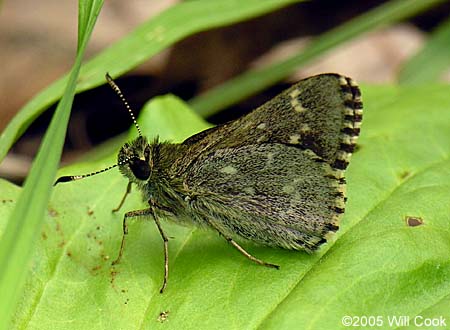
[140,169]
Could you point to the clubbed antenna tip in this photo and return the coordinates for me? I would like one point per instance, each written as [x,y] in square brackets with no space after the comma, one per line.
[64,179]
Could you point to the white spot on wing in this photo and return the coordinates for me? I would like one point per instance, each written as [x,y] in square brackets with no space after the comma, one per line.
[294,93]
[295,102]
[353,83]
[261,139]
[228,170]
[294,139]
[304,128]
[261,126]
[249,190]
[288,189]
[349,111]
[297,106]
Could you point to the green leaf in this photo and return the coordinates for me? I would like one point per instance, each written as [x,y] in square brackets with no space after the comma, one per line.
[150,38]
[251,82]
[377,265]
[431,61]
[27,216]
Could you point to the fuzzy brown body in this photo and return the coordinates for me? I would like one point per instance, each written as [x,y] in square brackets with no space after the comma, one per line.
[273,176]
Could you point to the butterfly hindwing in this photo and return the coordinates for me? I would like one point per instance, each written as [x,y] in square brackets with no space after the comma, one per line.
[273,194]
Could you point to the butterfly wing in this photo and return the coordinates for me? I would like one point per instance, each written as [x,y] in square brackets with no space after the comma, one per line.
[270,193]
[280,168]
[322,113]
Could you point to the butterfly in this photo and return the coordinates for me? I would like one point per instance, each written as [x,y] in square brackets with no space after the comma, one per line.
[274,176]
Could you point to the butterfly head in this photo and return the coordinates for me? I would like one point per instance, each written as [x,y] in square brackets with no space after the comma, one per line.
[136,160]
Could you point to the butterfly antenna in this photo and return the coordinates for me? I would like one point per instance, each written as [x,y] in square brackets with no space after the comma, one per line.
[119,93]
[69,178]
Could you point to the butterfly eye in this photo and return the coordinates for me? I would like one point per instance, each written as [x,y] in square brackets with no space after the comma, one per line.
[140,168]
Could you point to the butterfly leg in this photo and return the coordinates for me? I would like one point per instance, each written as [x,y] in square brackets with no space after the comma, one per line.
[124,197]
[154,206]
[242,250]
[166,252]
[131,214]
[146,213]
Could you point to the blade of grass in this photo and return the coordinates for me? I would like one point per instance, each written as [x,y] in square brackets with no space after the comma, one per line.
[150,38]
[24,224]
[253,81]
[431,61]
